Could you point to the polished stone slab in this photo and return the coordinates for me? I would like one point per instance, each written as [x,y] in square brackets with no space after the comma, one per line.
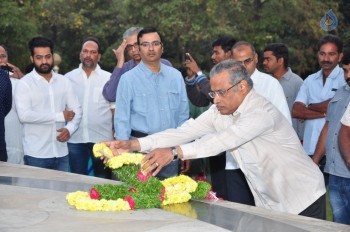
[33,199]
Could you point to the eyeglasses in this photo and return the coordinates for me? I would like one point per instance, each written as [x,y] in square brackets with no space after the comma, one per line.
[148,44]
[129,47]
[247,61]
[221,93]
[3,56]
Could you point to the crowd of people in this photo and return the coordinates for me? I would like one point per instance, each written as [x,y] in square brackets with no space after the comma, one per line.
[271,140]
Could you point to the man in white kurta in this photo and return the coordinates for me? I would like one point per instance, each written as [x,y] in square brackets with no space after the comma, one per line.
[260,139]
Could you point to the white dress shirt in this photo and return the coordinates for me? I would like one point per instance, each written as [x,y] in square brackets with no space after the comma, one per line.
[268,87]
[346,117]
[97,122]
[13,131]
[314,91]
[264,144]
[40,105]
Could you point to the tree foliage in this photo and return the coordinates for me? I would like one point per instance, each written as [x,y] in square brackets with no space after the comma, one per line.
[18,25]
[186,26]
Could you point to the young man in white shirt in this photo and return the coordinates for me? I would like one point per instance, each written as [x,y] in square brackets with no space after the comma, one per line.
[48,109]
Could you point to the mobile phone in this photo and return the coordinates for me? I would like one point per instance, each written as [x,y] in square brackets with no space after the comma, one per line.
[6,68]
[187,56]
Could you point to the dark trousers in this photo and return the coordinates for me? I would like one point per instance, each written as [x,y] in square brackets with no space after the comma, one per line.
[316,209]
[79,155]
[218,174]
[322,166]
[237,188]
[3,155]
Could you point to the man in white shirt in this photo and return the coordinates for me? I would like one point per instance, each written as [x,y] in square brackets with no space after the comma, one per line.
[259,138]
[96,124]
[316,91]
[265,85]
[48,109]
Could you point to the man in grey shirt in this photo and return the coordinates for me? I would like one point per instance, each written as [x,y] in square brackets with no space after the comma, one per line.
[276,61]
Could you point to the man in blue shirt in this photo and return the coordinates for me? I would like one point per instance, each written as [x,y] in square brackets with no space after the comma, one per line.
[130,45]
[339,173]
[150,97]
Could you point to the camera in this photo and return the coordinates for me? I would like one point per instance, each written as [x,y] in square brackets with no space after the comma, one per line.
[6,68]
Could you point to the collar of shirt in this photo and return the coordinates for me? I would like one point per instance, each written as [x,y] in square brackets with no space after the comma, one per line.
[334,74]
[256,72]
[347,87]
[288,74]
[37,76]
[97,69]
[243,105]
[148,72]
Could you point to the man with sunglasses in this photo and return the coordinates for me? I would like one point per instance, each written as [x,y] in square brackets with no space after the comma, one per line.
[151,97]
[130,45]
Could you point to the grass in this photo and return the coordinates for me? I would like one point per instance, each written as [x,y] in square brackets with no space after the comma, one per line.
[329,214]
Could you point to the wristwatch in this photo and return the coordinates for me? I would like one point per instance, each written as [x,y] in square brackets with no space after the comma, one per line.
[175,154]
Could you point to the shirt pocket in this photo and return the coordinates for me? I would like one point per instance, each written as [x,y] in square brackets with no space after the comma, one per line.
[174,99]
[141,103]
[97,95]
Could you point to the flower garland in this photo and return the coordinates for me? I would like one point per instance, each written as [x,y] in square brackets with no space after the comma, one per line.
[140,190]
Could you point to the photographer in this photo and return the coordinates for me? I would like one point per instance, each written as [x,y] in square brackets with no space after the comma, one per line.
[13,71]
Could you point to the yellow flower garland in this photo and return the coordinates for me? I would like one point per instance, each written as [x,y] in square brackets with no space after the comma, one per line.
[177,189]
[82,201]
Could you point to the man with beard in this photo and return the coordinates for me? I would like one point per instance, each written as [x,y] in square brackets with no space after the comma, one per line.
[151,97]
[130,45]
[317,90]
[48,109]
[96,124]
[339,172]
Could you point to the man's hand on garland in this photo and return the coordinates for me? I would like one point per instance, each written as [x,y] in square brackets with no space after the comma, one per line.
[156,160]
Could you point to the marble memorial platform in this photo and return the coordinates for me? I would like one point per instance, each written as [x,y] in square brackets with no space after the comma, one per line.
[33,199]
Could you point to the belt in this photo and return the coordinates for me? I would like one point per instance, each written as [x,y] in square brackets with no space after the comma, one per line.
[137,134]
